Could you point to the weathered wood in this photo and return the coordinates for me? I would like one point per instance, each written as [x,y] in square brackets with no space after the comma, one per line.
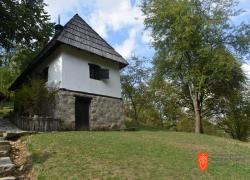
[41,124]
[78,33]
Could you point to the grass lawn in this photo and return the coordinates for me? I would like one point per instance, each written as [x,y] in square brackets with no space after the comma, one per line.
[136,155]
[5,110]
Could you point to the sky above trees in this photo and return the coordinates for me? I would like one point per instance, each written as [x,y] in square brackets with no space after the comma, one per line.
[120,22]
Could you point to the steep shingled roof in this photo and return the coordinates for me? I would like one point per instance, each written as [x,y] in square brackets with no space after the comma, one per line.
[79,34]
[76,33]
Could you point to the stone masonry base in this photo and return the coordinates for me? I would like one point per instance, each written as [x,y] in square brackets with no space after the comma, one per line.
[105,113]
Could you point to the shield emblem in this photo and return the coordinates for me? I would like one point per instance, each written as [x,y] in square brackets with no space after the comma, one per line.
[203,161]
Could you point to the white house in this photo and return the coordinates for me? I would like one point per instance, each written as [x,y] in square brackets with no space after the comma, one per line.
[86,70]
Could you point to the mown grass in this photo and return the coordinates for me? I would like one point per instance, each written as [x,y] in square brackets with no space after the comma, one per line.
[136,155]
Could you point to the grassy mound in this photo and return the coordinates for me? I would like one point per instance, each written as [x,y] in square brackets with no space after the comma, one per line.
[136,155]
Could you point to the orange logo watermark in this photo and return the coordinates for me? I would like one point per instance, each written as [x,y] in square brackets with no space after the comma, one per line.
[202,161]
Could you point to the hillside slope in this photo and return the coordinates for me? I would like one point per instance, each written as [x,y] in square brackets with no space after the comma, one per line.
[136,155]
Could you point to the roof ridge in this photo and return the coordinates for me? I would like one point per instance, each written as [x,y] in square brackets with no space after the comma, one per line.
[78,33]
[95,32]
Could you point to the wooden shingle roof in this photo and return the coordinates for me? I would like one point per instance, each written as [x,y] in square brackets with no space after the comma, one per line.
[78,34]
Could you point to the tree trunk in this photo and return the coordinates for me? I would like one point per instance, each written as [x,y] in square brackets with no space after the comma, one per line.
[197,109]
[197,114]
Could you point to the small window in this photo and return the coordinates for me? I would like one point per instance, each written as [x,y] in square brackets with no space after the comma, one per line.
[94,71]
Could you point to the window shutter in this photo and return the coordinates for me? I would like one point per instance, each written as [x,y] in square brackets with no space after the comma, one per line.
[94,71]
[104,74]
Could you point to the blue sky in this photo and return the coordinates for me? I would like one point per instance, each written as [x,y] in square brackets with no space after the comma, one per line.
[119,22]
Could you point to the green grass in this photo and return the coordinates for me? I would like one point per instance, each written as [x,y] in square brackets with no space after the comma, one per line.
[5,110]
[136,155]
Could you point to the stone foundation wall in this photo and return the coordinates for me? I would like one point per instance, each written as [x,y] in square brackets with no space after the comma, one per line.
[105,113]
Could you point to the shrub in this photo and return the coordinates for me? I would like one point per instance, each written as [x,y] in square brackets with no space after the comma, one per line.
[237,120]
[237,127]
[185,125]
[35,98]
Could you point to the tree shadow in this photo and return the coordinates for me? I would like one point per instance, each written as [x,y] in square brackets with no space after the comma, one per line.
[41,157]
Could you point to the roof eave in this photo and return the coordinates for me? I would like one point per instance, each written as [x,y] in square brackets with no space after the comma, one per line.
[36,61]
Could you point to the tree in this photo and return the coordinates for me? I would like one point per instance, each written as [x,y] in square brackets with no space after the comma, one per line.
[236,121]
[198,48]
[24,22]
[24,30]
[164,98]
[19,60]
[134,86]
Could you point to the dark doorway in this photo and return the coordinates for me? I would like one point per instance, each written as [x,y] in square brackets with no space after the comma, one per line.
[82,113]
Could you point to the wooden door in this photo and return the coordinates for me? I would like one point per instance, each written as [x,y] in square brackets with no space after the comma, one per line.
[82,113]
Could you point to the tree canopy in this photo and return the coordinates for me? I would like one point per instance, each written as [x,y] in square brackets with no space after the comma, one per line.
[24,30]
[198,48]
[25,23]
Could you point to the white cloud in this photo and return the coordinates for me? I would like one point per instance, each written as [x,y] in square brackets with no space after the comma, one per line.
[62,7]
[126,49]
[105,16]
[115,15]
[246,69]
[147,37]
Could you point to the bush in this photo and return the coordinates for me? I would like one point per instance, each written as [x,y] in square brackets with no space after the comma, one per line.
[237,128]
[185,125]
[34,98]
[237,120]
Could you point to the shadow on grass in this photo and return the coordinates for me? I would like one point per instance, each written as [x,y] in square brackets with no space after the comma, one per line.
[41,157]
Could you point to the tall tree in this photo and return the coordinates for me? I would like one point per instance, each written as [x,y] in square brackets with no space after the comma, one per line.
[24,30]
[198,48]
[24,22]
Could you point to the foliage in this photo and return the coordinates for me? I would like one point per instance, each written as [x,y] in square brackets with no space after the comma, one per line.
[237,120]
[24,22]
[134,87]
[6,79]
[20,59]
[185,125]
[149,101]
[5,110]
[24,30]
[198,49]
[35,98]
[164,98]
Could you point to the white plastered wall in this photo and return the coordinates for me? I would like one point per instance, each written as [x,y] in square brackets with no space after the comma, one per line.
[75,73]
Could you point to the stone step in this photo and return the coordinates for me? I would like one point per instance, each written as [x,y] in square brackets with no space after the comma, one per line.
[4,142]
[17,134]
[5,148]
[8,178]
[6,166]
[2,133]
[4,153]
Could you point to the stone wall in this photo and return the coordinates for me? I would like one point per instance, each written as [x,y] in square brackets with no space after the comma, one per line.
[105,113]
